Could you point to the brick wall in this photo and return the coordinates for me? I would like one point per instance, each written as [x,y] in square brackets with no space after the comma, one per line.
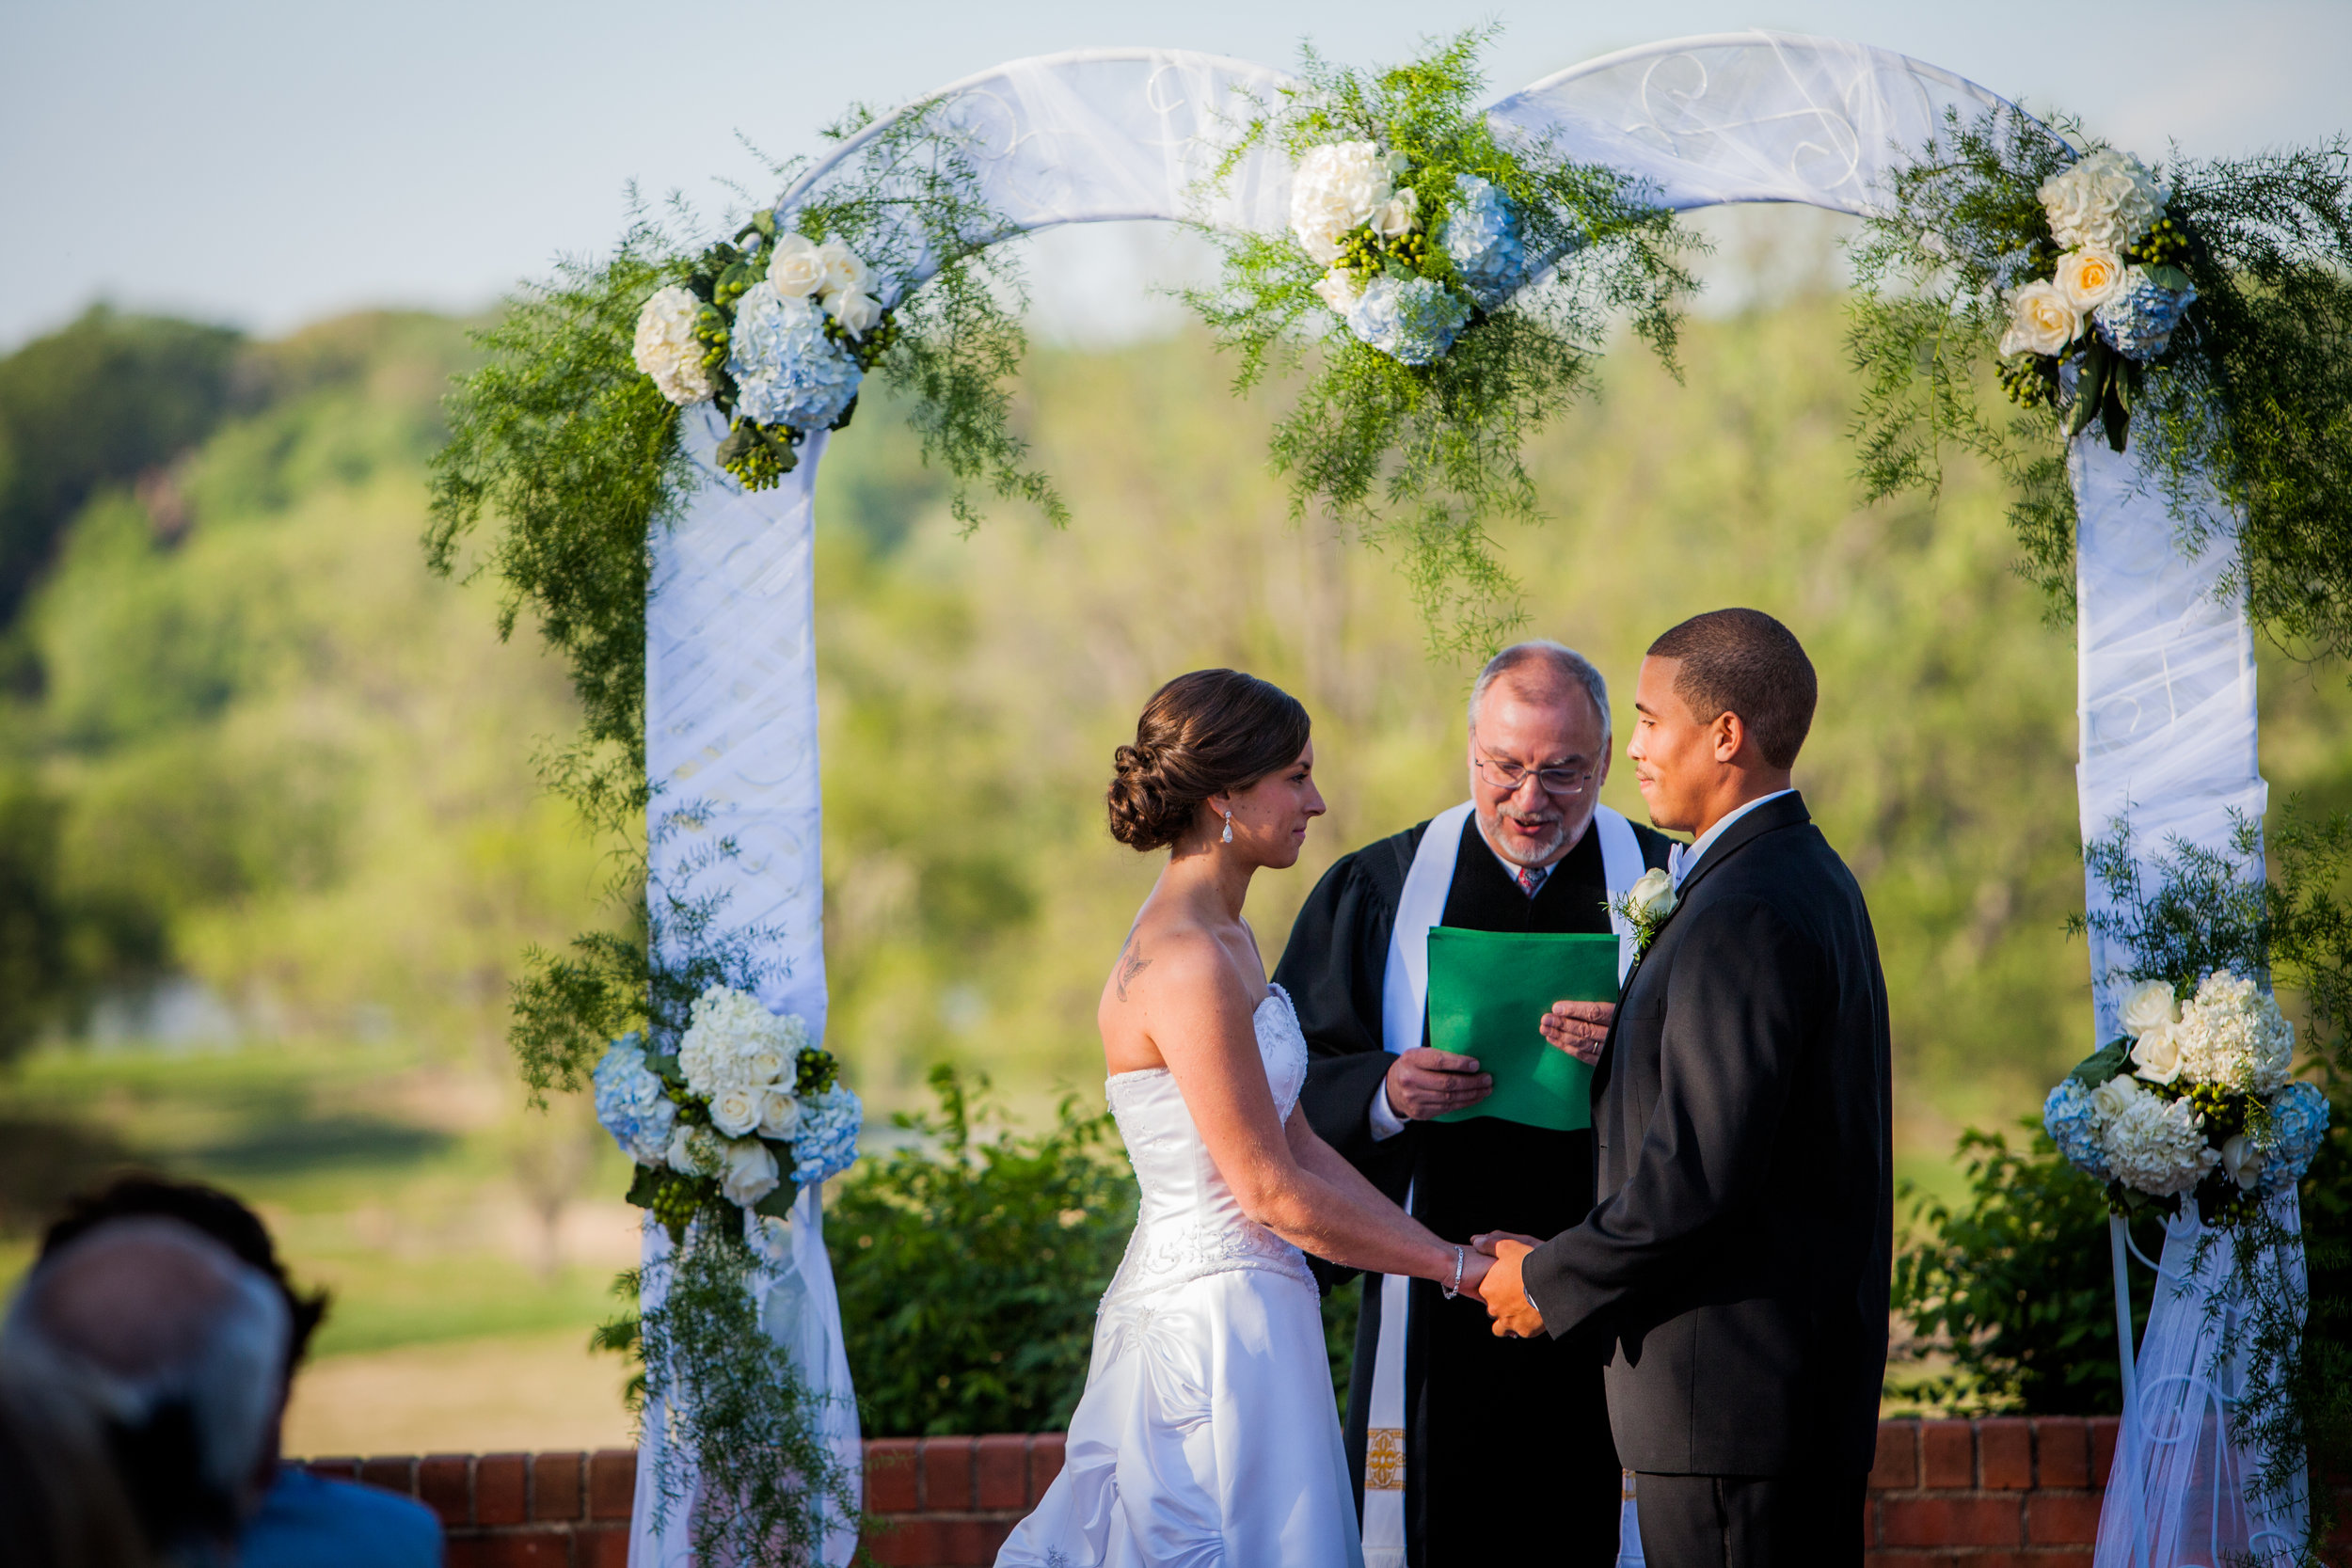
[2000,1492]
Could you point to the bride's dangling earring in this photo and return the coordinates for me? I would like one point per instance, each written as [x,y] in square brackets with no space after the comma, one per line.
[1228,829]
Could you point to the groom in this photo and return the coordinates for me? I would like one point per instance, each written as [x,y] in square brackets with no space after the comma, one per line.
[1442,1419]
[1735,1267]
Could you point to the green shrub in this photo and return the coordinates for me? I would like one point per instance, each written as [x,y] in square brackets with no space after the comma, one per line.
[969,1266]
[2015,1289]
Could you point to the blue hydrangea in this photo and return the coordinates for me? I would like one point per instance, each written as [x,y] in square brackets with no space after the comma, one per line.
[785,369]
[1412,319]
[2299,1120]
[633,1104]
[2138,323]
[825,1143]
[1481,237]
[2073,1123]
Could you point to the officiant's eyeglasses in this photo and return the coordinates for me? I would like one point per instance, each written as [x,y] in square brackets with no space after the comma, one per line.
[1560,781]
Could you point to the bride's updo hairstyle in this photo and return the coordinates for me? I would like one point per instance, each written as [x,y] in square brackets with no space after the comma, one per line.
[1200,735]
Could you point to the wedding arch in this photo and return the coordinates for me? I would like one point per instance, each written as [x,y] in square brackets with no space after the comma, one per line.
[729,732]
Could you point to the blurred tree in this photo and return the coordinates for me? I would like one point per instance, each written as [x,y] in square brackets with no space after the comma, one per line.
[105,399]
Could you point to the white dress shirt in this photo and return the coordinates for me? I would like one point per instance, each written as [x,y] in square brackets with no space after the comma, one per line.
[1684,856]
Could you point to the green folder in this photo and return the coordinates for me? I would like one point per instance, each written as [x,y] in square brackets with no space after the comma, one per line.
[1488,991]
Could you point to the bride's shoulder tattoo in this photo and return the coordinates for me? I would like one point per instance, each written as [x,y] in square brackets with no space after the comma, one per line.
[1131,962]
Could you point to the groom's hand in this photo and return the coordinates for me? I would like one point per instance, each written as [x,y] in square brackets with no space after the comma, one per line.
[1424,1082]
[1578,1028]
[1503,1290]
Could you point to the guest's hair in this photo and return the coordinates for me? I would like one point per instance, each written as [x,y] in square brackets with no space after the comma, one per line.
[1202,733]
[208,1210]
[1540,662]
[156,1335]
[1743,661]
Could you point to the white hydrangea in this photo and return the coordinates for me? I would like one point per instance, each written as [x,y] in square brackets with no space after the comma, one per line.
[2152,1145]
[734,1043]
[1335,188]
[2232,1033]
[666,347]
[2106,202]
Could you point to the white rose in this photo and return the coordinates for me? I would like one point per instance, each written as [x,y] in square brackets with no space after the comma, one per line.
[779,1113]
[1337,289]
[2243,1159]
[763,1063]
[1393,218]
[2042,320]
[844,272]
[1652,898]
[796,267]
[856,313]
[2116,1096]
[2149,1004]
[2090,277]
[750,1173]
[1335,188]
[666,347]
[736,1111]
[2158,1053]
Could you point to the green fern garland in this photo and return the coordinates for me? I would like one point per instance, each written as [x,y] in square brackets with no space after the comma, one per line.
[1427,457]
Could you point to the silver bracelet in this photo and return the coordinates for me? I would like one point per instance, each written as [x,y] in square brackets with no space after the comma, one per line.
[1460,1260]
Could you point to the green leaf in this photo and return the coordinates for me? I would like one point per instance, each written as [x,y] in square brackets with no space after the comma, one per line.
[2113,412]
[2108,1061]
[644,1185]
[778,1204]
[2167,277]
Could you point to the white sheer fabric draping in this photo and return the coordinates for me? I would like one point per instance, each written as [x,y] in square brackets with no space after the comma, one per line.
[1747,117]
[2181,1490]
[731,752]
[1094,135]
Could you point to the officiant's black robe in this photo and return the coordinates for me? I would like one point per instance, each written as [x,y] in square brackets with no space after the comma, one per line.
[1489,1424]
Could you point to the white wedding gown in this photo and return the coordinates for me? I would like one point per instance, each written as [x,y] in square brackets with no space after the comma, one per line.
[1207,1435]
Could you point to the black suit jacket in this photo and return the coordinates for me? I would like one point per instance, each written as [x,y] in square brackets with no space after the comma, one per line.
[1736,1261]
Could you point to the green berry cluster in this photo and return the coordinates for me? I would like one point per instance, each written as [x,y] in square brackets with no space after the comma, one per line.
[2166,244]
[676,1197]
[867,351]
[758,455]
[815,1072]
[711,330]
[2029,380]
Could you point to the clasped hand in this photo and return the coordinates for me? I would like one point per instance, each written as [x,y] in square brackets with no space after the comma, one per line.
[1502,1289]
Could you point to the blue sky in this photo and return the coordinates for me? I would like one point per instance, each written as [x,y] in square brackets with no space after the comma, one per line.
[265,162]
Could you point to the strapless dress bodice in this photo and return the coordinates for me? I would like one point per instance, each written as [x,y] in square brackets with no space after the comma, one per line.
[1189,1223]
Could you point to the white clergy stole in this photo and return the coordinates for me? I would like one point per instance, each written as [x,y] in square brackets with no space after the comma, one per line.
[1404,1010]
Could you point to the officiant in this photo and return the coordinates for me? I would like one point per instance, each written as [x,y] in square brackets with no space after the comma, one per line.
[1446,1422]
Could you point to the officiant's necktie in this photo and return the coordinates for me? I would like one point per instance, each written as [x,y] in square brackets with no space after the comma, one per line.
[1532,877]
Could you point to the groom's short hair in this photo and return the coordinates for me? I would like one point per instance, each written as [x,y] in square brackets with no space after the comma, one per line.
[1561,670]
[1743,661]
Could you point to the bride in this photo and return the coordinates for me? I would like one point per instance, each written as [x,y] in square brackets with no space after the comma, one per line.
[1207,1434]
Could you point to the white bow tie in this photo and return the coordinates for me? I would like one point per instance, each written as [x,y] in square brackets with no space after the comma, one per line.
[1678,863]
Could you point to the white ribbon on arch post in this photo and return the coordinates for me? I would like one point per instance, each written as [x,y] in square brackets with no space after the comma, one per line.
[2166,670]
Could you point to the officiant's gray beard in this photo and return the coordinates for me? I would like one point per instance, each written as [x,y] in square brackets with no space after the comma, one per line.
[1551,842]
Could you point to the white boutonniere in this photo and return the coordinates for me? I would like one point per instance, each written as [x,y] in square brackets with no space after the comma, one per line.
[1645,906]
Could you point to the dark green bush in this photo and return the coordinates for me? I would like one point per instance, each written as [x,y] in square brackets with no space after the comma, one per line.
[969,1266]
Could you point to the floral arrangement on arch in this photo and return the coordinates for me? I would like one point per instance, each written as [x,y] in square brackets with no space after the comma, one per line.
[745,1113]
[775,329]
[1453,290]
[2194,1101]
[2107,295]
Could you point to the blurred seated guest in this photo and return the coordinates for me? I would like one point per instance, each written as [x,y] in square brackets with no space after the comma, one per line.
[61,1504]
[154,1337]
[304,1519]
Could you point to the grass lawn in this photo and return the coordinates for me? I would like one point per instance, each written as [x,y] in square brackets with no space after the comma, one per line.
[395,1179]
